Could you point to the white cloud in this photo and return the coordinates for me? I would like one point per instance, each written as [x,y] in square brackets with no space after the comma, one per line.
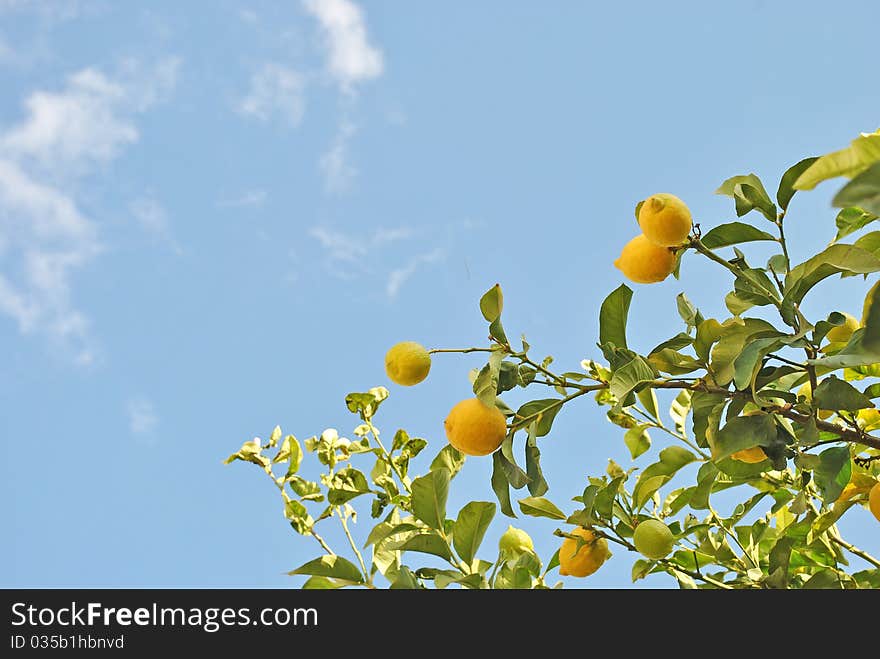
[346,247]
[275,91]
[351,57]
[89,121]
[397,278]
[254,198]
[45,235]
[153,217]
[335,164]
[142,417]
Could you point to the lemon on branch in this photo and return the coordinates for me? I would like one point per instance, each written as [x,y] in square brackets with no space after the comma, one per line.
[665,220]
[584,560]
[407,363]
[474,428]
[644,262]
[653,539]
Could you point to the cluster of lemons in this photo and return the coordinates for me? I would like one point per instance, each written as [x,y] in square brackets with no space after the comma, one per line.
[477,429]
[649,258]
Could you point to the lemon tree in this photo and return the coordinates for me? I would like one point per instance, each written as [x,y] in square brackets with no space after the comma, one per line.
[767,408]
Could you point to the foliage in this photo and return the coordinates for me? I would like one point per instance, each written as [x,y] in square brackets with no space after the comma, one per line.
[734,385]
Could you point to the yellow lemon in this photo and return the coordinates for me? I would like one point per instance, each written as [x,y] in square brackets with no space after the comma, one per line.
[653,539]
[874,501]
[751,456]
[842,333]
[474,428]
[643,262]
[407,363]
[665,220]
[586,560]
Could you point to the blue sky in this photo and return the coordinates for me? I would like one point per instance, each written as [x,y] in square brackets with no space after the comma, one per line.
[216,217]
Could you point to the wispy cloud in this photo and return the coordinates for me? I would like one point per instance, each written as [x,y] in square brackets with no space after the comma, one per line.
[46,235]
[254,198]
[350,56]
[142,417]
[335,164]
[397,278]
[275,92]
[347,247]
[153,218]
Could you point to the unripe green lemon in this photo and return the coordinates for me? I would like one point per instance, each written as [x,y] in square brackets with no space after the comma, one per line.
[474,428]
[407,363]
[584,560]
[643,262]
[874,501]
[653,539]
[665,220]
[515,541]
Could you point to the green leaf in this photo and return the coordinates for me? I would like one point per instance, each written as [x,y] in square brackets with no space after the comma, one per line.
[747,365]
[688,312]
[496,331]
[708,332]
[833,472]
[748,197]
[405,580]
[449,458]
[486,383]
[250,451]
[537,485]
[871,335]
[637,440]
[332,566]
[850,220]
[299,517]
[641,568]
[347,484]
[613,315]
[863,191]
[862,152]
[707,410]
[492,303]
[679,409]
[655,475]
[778,563]
[786,185]
[733,233]
[833,260]
[699,498]
[672,362]
[743,432]
[546,408]
[366,403]
[323,583]
[500,485]
[728,188]
[540,507]
[470,527]
[836,394]
[427,543]
[429,493]
[677,342]
[648,399]
[823,580]
[629,376]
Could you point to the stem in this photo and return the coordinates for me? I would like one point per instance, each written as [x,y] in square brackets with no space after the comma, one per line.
[526,360]
[460,350]
[670,564]
[787,361]
[783,243]
[655,424]
[386,455]
[733,537]
[852,549]
[522,422]
[321,542]
[354,548]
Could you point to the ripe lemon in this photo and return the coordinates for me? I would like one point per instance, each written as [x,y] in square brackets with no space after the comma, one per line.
[653,539]
[874,501]
[643,262]
[474,428]
[751,456]
[807,392]
[665,220]
[515,541]
[586,560]
[842,333]
[407,363]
